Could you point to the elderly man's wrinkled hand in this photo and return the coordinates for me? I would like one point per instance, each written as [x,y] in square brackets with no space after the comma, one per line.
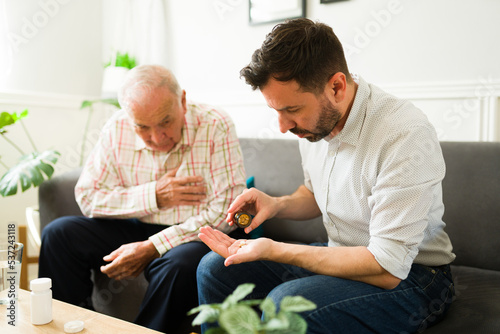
[129,260]
[174,190]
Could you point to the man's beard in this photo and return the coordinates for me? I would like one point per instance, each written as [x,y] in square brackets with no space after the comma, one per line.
[328,119]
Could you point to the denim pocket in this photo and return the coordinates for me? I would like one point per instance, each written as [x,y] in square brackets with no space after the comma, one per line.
[437,285]
[423,276]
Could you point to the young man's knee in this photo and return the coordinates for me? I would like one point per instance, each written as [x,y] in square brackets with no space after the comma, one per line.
[209,265]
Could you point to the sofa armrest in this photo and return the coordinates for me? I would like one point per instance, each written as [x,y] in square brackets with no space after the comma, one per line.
[56,197]
[471,193]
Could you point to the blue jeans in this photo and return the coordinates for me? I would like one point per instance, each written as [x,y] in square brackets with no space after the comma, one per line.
[343,306]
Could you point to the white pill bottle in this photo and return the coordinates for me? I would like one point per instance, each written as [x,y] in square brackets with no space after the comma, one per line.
[41,301]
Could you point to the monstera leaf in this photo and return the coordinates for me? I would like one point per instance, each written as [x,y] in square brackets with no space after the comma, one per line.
[28,172]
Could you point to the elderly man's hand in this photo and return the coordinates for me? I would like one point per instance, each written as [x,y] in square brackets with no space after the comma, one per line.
[183,190]
[129,260]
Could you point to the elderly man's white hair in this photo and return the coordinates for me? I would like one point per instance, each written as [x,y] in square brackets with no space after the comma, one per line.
[143,80]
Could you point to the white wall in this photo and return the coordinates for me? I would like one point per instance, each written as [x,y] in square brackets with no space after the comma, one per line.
[52,65]
[54,46]
[412,48]
[418,41]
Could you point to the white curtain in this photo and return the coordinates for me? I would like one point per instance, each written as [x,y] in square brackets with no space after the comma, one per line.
[139,28]
[6,51]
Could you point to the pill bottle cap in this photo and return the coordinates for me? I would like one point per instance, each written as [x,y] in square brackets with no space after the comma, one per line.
[39,284]
[74,326]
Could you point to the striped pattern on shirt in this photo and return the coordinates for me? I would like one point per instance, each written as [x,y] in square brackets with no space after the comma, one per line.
[119,177]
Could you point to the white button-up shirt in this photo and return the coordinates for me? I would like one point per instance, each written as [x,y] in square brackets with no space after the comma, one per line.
[378,183]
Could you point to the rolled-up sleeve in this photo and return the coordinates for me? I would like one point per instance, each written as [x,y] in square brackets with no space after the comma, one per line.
[406,188]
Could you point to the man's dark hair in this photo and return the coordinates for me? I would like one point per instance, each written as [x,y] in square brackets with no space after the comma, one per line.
[301,50]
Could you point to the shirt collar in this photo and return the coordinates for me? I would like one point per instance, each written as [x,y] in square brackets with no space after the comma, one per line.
[352,128]
[188,133]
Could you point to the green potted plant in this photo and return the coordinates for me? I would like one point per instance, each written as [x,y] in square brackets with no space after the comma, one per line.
[238,316]
[122,60]
[114,73]
[31,167]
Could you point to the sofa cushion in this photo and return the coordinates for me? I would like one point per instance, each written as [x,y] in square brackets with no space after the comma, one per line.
[476,308]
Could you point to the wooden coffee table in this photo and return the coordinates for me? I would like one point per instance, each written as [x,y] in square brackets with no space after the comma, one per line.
[61,314]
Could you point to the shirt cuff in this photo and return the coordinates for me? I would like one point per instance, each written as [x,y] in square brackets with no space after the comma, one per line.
[161,246]
[394,257]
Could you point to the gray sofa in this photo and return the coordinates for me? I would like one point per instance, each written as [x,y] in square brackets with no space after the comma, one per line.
[471,193]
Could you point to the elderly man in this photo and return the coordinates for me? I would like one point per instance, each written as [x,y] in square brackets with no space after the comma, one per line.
[162,168]
[373,169]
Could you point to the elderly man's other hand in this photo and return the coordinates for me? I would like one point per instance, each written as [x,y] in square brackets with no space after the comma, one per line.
[129,260]
[174,190]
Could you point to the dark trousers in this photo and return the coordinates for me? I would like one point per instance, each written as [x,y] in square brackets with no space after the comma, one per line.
[72,246]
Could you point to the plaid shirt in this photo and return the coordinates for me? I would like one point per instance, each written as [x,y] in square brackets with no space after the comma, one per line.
[119,177]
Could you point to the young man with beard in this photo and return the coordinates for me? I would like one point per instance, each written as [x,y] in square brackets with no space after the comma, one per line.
[373,169]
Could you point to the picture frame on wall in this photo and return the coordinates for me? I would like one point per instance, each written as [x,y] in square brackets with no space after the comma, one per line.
[266,11]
